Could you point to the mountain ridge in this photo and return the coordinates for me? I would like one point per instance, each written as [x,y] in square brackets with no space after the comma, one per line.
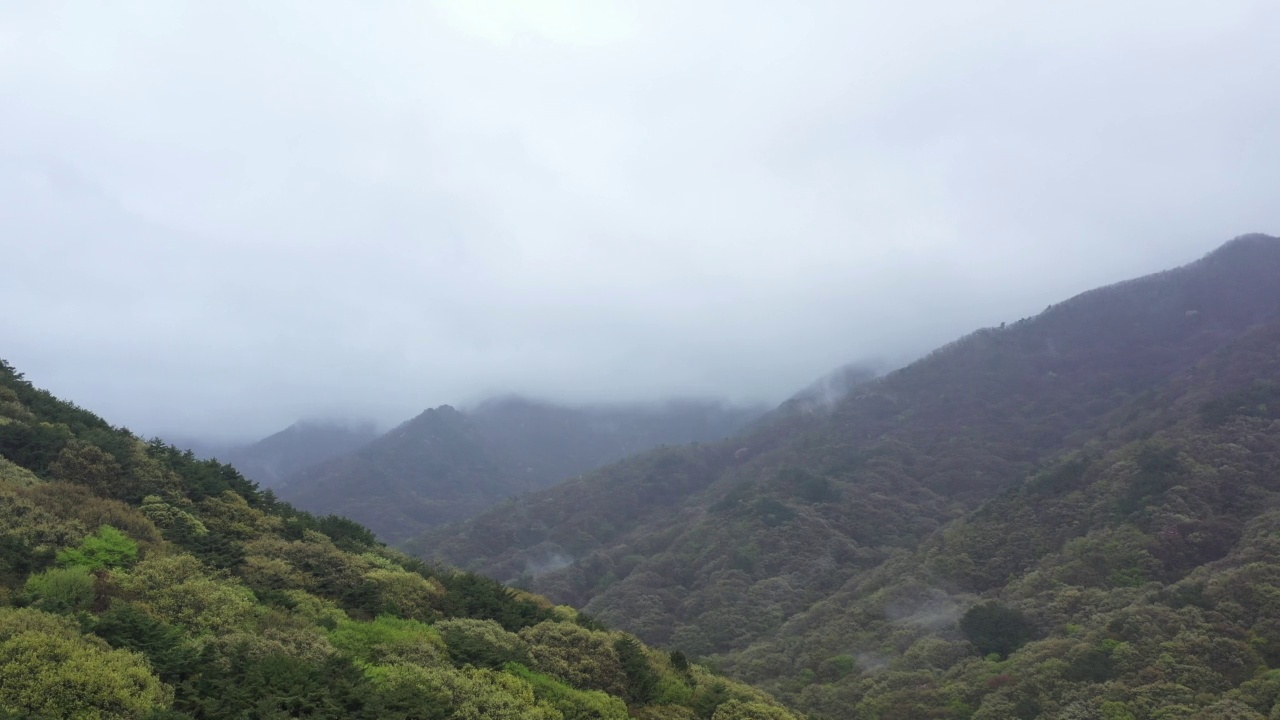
[763,526]
[446,464]
[305,443]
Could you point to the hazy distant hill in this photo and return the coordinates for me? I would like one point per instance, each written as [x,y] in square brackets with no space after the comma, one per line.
[301,445]
[807,541]
[446,465]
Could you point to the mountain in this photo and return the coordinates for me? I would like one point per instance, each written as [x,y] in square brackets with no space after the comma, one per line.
[138,582]
[446,464]
[1133,576]
[1025,483]
[305,443]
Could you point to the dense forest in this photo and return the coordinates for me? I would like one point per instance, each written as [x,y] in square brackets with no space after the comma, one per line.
[137,581]
[1069,516]
[447,465]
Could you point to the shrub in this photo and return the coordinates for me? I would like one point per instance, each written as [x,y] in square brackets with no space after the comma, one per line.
[388,640]
[482,643]
[62,590]
[110,548]
[583,658]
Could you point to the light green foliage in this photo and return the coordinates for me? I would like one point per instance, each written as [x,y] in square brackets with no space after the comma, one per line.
[665,712]
[207,598]
[573,703]
[262,572]
[169,516]
[62,589]
[12,475]
[325,570]
[390,640]
[49,670]
[672,690]
[739,710]
[149,475]
[109,548]
[14,621]
[583,658]
[176,589]
[471,694]
[378,560]
[315,610]
[76,501]
[36,530]
[230,515]
[406,594]
[482,643]
[275,633]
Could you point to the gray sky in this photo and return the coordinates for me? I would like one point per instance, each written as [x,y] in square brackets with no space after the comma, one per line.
[218,217]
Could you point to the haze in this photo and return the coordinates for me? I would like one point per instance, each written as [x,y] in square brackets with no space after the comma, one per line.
[216,218]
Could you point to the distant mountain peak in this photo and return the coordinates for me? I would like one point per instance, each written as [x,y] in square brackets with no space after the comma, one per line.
[447,464]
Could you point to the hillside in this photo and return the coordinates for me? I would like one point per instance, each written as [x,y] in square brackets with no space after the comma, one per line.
[781,550]
[270,460]
[139,582]
[1134,577]
[446,465]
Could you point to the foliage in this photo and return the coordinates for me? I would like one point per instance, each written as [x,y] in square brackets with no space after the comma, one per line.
[390,640]
[574,704]
[642,679]
[109,548]
[48,669]
[993,628]
[582,658]
[470,693]
[161,586]
[482,643]
[127,626]
[478,597]
[62,590]
[1106,473]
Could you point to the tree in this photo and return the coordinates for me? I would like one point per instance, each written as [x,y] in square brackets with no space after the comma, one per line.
[62,590]
[583,658]
[389,640]
[739,710]
[48,669]
[482,643]
[91,466]
[642,680]
[109,548]
[993,628]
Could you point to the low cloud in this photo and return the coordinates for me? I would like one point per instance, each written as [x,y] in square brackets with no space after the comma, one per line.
[221,217]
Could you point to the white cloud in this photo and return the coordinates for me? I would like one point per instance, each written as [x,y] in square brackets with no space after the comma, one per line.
[244,212]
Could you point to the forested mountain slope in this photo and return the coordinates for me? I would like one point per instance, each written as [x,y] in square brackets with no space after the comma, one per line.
[1136,577]
[717,548]
[139,582]
[447,465]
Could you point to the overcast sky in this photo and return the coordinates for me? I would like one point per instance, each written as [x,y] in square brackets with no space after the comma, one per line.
[217,217]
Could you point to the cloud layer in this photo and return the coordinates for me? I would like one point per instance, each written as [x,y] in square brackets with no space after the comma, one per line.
[218,217]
